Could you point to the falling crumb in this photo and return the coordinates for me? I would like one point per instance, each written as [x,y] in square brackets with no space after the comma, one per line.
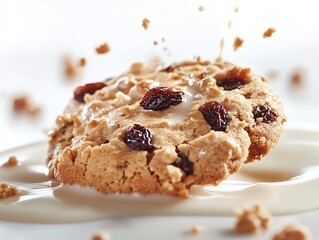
[82,62]
[163,39]
[196,229]
[103,49]
[269,32]
[272,74]
[70,68]
[201,8]
[7,190]
[292,232]
[101,236]
[238,42]
[298,78]
[165,49]
[145,23]
[12,162]
[23,104]
[137,68]
[230,23]
[236,9]
[253,219]
[155,42]
[221,49]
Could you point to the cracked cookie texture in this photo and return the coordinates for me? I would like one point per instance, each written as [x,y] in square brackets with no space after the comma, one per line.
[199,122]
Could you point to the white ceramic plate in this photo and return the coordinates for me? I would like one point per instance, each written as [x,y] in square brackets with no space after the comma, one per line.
[285,182]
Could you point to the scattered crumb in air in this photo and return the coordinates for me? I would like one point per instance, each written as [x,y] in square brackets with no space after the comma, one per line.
[163,39]
[236,9]
[201,8]
[145,23]
[230,23]
[23,104]
[103,49]
[268,33]
[155,43]
[137,68]
[272,74]
[82,62]
[298,78]
[238,42]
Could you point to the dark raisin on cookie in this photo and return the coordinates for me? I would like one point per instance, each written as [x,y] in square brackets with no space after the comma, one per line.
[139,138]
[168,69]
[216,115]
[184,163]
[231,83]
[161,98]
[89,88]
[266,113]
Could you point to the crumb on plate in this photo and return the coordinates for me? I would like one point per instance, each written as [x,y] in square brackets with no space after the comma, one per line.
[103,49]
[145,23]
[292,232]
[252,219]
[196,229]
[7,190]
[238,42]
[12,162]
[101,236]
[269,32]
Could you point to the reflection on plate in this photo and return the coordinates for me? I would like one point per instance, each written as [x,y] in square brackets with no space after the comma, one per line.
[283,182]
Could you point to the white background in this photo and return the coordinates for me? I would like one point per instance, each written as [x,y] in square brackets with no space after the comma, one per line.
[35,35]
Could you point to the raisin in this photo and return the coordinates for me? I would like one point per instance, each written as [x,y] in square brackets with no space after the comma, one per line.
[266,113]
[184,163]
[161,98]
[89,88]
[231,83]
[216,115]
[139,138]
[168,69]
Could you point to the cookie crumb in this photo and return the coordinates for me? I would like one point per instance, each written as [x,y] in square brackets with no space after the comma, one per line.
[25,105]
[103,49]
[298,78]
[230,23]
[292,232]
[137,68]
[12,162]
[269,32]
[201,8]
[101,236]
[238,42]
[163,39]
[196,229]
[82,62]
[7,190]
[236,10]
[70,68]
[252,219]
[145,23]
[155,42]
[272,74]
